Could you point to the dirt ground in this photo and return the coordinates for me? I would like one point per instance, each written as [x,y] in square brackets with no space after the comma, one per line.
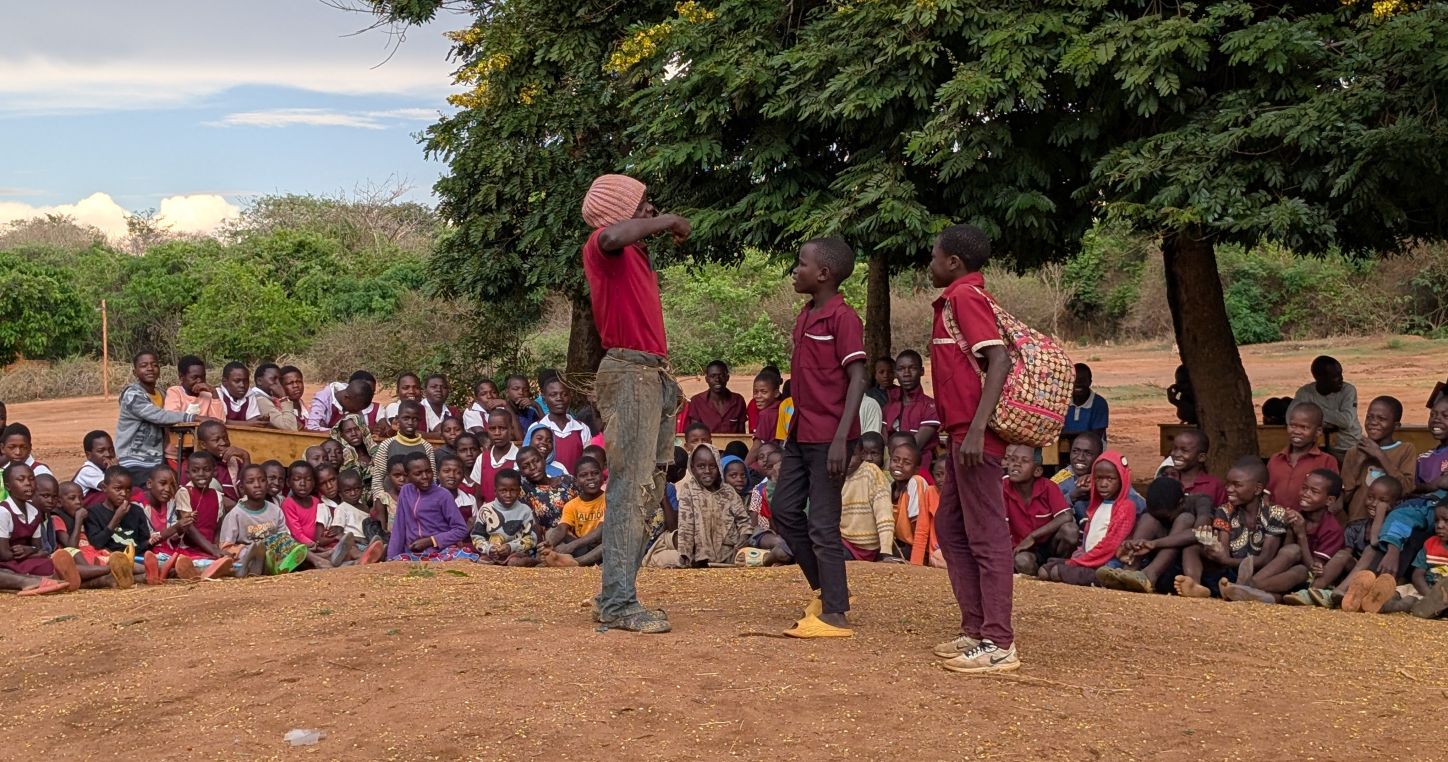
[465,662]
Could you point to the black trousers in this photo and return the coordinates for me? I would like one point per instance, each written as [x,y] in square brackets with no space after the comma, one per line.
[813,535]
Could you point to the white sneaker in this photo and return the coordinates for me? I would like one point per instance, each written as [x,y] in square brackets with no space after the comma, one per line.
[984,658]
[953,648]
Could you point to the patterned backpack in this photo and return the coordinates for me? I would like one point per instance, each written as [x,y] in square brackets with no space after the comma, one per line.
[1037,391]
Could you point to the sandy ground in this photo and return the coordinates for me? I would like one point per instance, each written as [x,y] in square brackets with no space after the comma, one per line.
[465,662]
[1132,378]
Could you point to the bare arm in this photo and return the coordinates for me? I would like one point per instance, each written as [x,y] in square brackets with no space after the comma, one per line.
[630,231]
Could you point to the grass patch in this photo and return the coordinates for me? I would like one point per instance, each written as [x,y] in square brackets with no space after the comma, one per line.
[420,570]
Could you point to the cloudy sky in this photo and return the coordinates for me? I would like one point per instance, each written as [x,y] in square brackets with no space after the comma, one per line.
[191,107]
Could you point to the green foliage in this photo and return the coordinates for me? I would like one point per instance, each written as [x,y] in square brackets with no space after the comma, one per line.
[1246,311]
[711,311]
[42,315]
[154,291]
[239,316]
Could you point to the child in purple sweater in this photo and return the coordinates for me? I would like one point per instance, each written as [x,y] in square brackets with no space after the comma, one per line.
[428,526]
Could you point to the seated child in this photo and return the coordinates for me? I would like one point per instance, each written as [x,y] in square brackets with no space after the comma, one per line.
[276,481]
[570,435]
[1379,453]
[773,549]
[1074,479]
[1430,569]
[450,477]
[469,447]
[696,434]
[1040,522]
[1109,521]
[872,449]
[429,526]
[503,531]
[191,394]
[598,453]
[540,438]
[255,535]
[1088,411]
[1149,560]
[69,523]
[55,534]
[201,498]
[545,494]
[1248,533]
[306,518]
[100,454]
[450,429]
[212,437]
[867,515]
[118,526]
[435,408]
[713,523]
[15,448]
[1318,532]
[356,444]
[485,400]
[350,524]
[176,547]
[736,475]
[234,393]
[21,554]
[1286,470]
[404,442]
[501,454]
[1189,459]
[409,387]
[384,506]
[916,501]
[333,454]
[578,538]
[766,400]
[293,387]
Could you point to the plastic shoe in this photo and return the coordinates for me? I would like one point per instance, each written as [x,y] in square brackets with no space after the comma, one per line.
[1432,605]
[123,568]
[984,659]
[65,569]
[289,563]
[1383,589]
[153,569]
[816,607]
[185,567]
[814,627]
[168,568]
[1357,586]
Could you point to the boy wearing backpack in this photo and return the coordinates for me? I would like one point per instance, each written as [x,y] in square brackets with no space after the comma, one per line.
[971,504]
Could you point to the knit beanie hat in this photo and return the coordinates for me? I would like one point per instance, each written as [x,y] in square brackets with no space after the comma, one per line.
[612,198]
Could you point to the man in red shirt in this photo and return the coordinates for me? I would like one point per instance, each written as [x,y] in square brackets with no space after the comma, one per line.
[718,408]
[971,521]
[637,398]
[828,383]
[909,410]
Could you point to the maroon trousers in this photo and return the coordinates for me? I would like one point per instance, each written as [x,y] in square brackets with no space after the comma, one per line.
[976,543]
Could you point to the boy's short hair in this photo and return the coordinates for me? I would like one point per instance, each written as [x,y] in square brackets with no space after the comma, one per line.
[547,374]
[507,474]
[92,437]
[201,455]
[896,442]
[697,426]
[409,405]
[362,375]
[720,364]
[287,370]
[468,435]
[363,388]
[886,359]
[1334,481]
[587,460]
[480,383]
[1082,369]
[1323,364]
[737,449]
[1164,494]
[967,243]
[591,449]
[1310,408]
[208,426]
[910,353]
[159,468]
[515,377]
[1393,403]
[768,378]
[273,463]
[1204,442]
[136,358]
[5,473]
[1252,465]
[773,372]
[1274,411]
[323,466]
[1394,486]
[187,362]
[1093,437]
[15,430]
[413,457]
[406,375]
[261,370]
[500,411]
[874,438]
[835,255]
[431,376]
[241,476]
[395,460]
[447,457]
[348,475]
[233,365]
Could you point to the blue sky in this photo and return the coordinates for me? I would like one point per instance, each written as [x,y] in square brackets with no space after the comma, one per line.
[194,106]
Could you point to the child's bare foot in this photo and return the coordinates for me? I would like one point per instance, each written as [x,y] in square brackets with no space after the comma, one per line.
[1380,592]
[46,587]
[122,570]
[1357,587]
[185,567]
[65,569]
[1241,593]
[553,558]
[1190,588]
[1245,571]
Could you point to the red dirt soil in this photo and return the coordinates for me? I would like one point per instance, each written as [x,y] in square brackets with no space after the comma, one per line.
[460,661]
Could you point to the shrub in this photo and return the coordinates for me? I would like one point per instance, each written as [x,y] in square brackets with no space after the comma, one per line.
[239,317]
[42,315]
[422,336]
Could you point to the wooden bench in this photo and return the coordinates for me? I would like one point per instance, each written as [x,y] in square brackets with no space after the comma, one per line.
[1273,439]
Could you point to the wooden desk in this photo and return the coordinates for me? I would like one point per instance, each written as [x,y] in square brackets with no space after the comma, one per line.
[1273,439]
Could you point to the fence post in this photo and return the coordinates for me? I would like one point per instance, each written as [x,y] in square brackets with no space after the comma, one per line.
[105,354]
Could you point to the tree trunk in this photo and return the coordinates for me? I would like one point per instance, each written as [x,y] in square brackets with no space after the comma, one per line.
[585,349]
[1204,338]
[877,307]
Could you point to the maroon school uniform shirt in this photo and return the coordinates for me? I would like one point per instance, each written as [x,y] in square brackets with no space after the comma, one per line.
[765,424]
[1024,516]
[1211,486]
[956,383]
[1284,480]
[826,342]
[624,290]
[1326,539]
[910,417]
[730,420]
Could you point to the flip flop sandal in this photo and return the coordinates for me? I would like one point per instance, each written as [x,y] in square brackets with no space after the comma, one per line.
[123,569]
[1320,597]
[373,554]
[170,566]
[65,569]
[1379,593]
[339,553]
[185,567]
[221,567]
[1357,587]
[153,569]
[46,587]
[813,627]
[294,558]
[1299,598]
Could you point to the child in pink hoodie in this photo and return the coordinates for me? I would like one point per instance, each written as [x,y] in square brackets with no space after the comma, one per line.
[1109,520]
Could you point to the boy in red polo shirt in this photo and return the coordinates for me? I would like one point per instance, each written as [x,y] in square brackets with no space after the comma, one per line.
[1189,458]
[971,521]
[1287,470]
[827,385]
[908,409]
[1035,510]
[722,410]
[637,397]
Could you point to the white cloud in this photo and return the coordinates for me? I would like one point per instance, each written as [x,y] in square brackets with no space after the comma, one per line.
[318,117]
[196,213]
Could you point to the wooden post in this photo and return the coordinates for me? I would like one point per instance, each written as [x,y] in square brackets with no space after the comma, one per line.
[105,354]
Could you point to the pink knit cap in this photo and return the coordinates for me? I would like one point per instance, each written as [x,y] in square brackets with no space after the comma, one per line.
[612,198]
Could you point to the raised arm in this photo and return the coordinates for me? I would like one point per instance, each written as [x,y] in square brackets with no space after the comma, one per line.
[620,234]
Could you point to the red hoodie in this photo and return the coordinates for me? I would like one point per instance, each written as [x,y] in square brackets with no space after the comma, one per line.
[1106,529]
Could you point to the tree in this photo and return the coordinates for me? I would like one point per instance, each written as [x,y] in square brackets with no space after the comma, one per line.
[42,315]
[538,122]
[242,315]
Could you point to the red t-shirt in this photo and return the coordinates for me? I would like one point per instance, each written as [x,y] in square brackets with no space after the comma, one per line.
[624,290]
[764,426]
[1284,480]
[1211,486]
[957,385]
[910,418]
[1327,539]
[730,421]
[826,342]
[1046,503]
